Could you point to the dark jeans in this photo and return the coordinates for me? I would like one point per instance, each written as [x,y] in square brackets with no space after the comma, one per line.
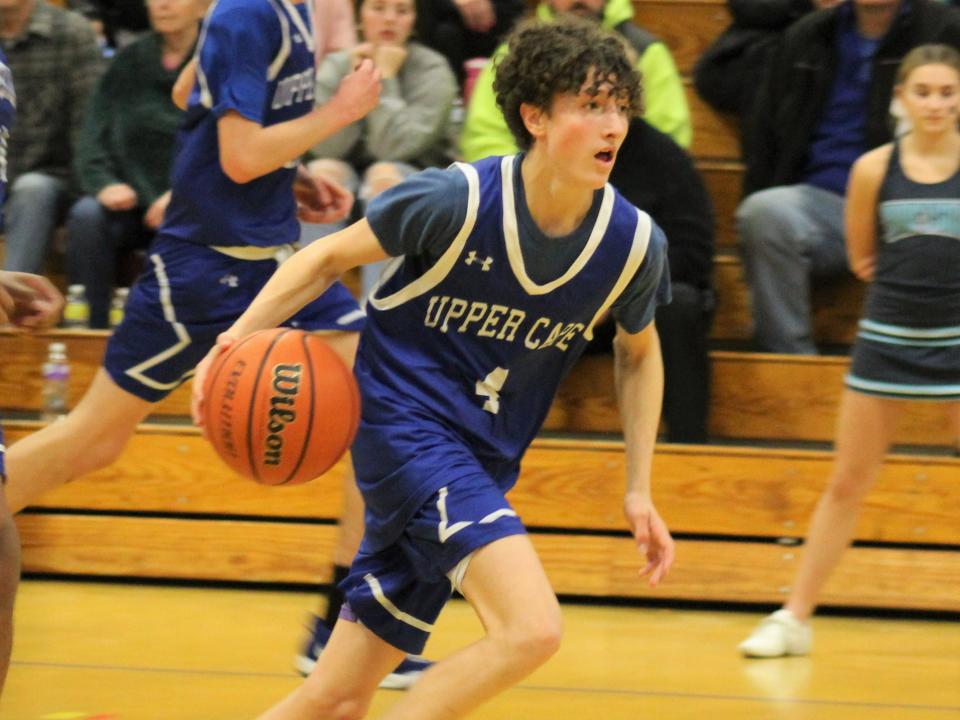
[440,26]
[684,329]
[96,240]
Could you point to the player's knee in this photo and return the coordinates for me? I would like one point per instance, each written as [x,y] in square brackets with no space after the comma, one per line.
[534,640]
[849,483]
[326,702]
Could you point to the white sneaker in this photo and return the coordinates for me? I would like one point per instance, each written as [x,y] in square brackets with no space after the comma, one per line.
[777,635]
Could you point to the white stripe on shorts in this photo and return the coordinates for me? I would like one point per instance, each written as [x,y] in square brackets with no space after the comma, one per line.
[399,614]
[170,315]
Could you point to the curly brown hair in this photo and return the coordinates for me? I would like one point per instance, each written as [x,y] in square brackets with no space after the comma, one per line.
[544,59]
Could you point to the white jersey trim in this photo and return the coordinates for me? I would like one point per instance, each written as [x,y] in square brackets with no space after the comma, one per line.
[183,338]
[512,236]
[432,277]
[206,99]
[638,251]
[277,65]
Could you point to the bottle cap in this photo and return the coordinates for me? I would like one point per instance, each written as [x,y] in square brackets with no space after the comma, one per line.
[72,289]
[57,347]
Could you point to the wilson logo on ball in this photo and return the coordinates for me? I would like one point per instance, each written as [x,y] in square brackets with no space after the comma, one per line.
[281,407]
[286,385]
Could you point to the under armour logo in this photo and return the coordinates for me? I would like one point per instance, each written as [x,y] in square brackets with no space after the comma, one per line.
[484,264]
[230,281]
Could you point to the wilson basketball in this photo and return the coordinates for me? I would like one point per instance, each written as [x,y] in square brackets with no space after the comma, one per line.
[281,407]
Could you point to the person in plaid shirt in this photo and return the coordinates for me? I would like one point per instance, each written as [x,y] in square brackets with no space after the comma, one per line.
[55,60]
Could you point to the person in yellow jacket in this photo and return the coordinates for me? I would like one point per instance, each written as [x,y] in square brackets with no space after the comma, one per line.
[485,131]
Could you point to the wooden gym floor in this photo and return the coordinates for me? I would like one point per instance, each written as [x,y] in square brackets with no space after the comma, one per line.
[86,651]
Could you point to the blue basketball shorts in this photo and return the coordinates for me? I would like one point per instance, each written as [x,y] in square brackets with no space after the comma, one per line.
[399,591]
[186,297]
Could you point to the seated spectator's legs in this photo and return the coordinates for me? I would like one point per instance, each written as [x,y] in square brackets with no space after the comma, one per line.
[35,206]
[95,236]
[786,235]
[379,177]
[683,326]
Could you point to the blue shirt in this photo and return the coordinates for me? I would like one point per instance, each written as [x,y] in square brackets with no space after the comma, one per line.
[256,58]
[840,136]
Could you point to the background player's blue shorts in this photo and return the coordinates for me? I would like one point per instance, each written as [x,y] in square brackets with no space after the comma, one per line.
[187,296]
[399,591]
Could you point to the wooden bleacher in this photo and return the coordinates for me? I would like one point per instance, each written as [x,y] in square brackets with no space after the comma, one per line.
[170,509]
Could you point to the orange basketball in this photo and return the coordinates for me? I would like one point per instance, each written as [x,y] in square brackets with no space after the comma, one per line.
[281,407]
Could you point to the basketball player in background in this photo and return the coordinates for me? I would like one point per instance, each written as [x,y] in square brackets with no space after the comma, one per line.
[232,217]
[503,267]
[30,302]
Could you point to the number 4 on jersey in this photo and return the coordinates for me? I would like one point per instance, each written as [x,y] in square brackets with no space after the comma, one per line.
[490,388]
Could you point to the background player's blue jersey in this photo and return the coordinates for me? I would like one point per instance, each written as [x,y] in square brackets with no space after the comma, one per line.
[462,354]
[8,106]
[256,57]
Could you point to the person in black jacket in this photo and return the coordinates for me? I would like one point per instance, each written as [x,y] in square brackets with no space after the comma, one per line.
[729,71]
[824,101]
[464,29]
[656,174]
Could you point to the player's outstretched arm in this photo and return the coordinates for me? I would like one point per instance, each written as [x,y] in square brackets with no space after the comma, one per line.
[298,281]
[248,150]
[639,382]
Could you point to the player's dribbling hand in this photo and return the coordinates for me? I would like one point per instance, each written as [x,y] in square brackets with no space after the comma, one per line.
[224,343]
[651,535]
[27,301]
[359,92]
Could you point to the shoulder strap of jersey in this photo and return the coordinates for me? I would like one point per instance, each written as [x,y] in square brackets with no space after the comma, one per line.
[638,251]
[432,277]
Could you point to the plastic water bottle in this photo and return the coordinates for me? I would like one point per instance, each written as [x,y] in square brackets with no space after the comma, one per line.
[76,311]
[117,306]
[56,378]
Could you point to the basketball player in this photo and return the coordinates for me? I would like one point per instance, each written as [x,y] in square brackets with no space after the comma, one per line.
[232,217]
[502,269]
[28,302]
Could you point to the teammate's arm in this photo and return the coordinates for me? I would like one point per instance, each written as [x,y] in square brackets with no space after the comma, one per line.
[860,214]
[638,370]
[248,150]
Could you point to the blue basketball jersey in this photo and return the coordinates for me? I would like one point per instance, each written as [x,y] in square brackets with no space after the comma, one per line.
[256,58]
[462,355]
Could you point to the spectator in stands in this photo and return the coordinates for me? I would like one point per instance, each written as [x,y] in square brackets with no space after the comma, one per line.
[485,132]
[465,29]
[903,225]
[656,175]
[823,102]
[729,71]
[407,131]
[54,57]
[334,28]
[123,20]
[126,145]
